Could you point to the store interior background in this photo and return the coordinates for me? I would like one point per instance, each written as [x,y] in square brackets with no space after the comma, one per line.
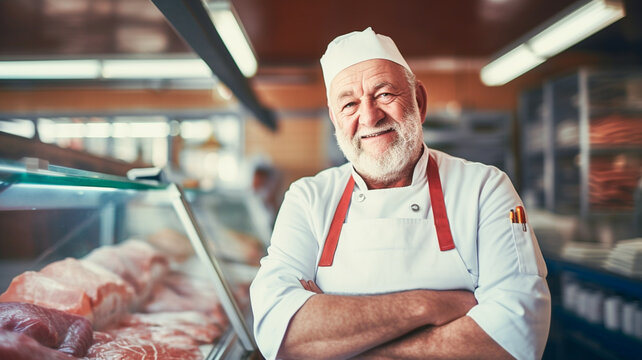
[204,137]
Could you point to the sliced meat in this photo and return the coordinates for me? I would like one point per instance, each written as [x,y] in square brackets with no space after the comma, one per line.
[202,329]
[165,336]
[179,292]
[52,328]
[42,290]
[109,347]
[110,296]
[175,245]
[136,262]
[115,261]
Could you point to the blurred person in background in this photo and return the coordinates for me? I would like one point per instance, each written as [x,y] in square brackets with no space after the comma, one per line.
[405,251]
[266,183]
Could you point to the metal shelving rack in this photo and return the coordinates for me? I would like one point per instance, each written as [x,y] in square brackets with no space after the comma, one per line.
[571,333]
[557,175]
[473,135]
[557,162]
[533,135]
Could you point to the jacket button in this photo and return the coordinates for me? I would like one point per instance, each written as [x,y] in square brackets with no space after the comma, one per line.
[414,207]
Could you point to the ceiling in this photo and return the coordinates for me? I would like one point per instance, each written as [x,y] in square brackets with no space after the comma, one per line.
[289,36]
[294,33]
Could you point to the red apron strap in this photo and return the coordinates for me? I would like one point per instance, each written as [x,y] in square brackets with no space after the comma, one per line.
[331,242]
[439,207]
[444,236]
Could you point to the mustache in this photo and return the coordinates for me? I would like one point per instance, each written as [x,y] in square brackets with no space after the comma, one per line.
[379,129]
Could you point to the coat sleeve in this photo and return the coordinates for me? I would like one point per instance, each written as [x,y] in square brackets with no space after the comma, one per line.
[514,302]
[276,294]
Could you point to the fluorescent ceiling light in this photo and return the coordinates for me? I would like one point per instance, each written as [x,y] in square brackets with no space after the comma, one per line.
[155,69]
[577,26]
[98,130]
[50,69]
[107,69]
[231,31]
[558,36]
[509,66]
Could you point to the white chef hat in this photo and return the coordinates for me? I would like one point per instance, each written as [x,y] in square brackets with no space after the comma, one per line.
[355,47]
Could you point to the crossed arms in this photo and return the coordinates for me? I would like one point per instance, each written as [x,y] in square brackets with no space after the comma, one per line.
[415,324]
[292,321]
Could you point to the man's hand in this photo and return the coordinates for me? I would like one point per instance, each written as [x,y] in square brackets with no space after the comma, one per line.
[310,286]
[449,305]
[459,339]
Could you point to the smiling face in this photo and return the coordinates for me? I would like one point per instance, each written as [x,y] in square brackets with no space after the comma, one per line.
[377,114]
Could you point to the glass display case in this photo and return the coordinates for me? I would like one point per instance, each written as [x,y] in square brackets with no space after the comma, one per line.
[130,256]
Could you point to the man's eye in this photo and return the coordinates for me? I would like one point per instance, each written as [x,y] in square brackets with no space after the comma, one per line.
[384,95]
[348,105]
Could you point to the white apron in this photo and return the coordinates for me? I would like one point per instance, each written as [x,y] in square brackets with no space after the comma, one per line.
[386,255]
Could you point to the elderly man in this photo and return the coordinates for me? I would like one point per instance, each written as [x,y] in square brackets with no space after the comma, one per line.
[404,252]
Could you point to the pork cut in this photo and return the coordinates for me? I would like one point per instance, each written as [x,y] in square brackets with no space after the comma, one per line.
[136,262]
[54,329]
[109,295]
[109,347]
[35,288]
[179,292]
[191,323]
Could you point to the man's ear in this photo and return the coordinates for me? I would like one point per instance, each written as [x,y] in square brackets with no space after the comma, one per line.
[422,99]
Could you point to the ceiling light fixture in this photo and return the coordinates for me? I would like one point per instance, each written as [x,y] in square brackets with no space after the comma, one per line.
[558,34]
[155,69]
[231,30]
[49,69]
[113,69]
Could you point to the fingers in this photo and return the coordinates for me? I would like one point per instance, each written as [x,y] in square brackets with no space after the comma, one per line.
[314,287]
[304,284]
[310,285]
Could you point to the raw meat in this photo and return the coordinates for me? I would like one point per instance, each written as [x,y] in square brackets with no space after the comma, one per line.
[172,244]
[36,288]
[191,323]
[166,336]
[115,261]
[110,296]
[136,262]
[179,292]
[16,346]
[108,347]
[164,299]
[55,329]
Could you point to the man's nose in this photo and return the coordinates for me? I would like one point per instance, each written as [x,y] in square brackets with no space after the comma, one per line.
[370,113]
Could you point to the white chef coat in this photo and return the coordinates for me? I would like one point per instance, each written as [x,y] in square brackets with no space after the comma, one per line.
[504,263]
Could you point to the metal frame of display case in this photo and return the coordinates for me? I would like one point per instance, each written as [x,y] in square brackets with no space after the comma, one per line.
[196,237]
[95,189]
[245,211]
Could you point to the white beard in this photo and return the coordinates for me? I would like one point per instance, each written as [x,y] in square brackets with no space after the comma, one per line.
[392,164]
